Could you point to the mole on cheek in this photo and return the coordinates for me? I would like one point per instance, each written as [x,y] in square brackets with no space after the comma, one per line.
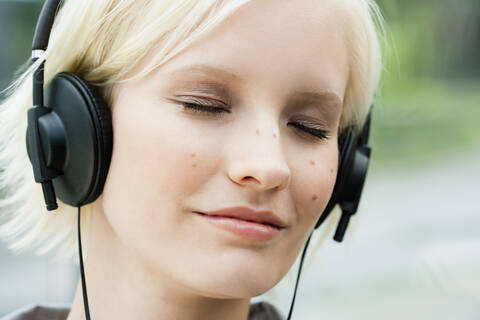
[193,156]
[312,162]
[331,170]
[314,197]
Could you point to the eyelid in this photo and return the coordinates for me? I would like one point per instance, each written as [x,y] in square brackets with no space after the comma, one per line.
[203,101]
[318,132]
[315,122]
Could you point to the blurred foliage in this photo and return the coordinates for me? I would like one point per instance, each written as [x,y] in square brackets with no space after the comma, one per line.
[429,99]
[432,39]
[429,103]
[17,24]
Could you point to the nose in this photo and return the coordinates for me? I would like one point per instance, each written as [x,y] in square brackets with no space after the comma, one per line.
[259,162]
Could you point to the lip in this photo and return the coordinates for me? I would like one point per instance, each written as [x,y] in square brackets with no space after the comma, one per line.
[247,214]
[245,222]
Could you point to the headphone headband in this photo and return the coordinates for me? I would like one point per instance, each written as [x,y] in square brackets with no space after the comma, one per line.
[44,25]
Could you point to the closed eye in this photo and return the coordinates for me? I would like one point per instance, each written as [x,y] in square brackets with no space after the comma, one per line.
[318,133]
[202,108]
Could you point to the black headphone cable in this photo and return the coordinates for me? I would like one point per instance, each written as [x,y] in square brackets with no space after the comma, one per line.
[82,273]
[298,276]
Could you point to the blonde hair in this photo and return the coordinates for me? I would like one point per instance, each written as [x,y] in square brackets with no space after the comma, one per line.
[102,40]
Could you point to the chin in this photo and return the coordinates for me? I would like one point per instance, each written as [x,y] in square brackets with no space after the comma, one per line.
[239,282]
[235,289]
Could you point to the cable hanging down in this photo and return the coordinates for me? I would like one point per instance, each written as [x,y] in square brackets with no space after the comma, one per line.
[298,276]
[82,272]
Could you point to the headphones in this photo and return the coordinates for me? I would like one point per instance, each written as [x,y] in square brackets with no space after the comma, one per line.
[69,139]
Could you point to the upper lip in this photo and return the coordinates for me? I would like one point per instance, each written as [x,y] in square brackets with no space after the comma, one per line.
[246,213]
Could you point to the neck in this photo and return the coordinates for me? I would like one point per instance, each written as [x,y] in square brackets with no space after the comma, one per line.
[120,285]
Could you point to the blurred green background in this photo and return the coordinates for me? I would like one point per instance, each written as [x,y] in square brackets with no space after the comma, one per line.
[430,97]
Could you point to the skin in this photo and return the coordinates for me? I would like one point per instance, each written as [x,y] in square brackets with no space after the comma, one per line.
[150,257]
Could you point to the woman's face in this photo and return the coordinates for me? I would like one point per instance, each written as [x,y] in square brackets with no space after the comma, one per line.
[272,65]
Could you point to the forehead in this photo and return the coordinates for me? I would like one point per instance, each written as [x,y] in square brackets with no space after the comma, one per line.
[277,44]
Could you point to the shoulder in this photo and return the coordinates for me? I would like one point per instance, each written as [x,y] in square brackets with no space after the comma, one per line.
[263,311]
[258,311]
[39,312]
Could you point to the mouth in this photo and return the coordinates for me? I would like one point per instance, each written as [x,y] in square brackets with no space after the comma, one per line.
[273,225]
[247,229]
[266,217]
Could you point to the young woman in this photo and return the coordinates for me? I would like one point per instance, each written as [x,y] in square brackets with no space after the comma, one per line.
[226,117]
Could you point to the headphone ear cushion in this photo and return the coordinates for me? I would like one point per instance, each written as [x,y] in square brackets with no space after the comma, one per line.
[103,123]
[88,125]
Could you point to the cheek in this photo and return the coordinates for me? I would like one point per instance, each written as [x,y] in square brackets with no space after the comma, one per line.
[323,180]
[313,184]
[156,162]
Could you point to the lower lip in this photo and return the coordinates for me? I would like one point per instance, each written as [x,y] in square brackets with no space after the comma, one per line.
[246,229]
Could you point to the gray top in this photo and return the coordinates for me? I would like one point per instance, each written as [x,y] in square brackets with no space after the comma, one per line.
[258,311]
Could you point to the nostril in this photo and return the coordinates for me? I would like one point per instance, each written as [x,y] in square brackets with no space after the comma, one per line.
[249,178]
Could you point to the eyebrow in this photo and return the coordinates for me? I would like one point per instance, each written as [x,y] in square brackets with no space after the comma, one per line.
[325,97]
[305,96]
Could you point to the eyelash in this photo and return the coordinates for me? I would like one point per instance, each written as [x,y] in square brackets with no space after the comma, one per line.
[314,133]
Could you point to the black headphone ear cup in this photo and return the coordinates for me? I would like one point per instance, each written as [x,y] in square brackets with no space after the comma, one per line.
[87,124]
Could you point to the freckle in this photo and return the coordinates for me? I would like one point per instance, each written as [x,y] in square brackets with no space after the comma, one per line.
[258,131]
[193,155]
[312,162]
[331,170]
[194,165]
[314,197]
[274,135]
